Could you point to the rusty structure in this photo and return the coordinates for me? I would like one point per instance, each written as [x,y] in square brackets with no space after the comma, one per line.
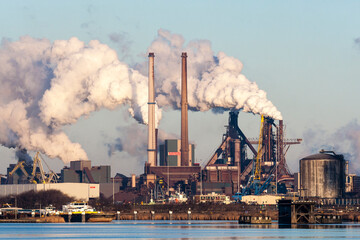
[296,212]
[233,162]
[229,163]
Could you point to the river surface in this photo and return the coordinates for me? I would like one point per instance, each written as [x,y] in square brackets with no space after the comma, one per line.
[175,230]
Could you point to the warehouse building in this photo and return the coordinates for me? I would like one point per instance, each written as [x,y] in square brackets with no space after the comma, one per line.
[80,191]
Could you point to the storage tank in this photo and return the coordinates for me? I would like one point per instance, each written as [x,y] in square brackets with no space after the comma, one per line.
[323,175]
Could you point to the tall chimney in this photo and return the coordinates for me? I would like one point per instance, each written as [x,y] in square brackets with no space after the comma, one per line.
[133,180]
[151,114]
[184,113]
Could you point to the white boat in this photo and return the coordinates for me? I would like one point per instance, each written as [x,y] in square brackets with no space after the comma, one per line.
[178,197]
[77,207]
[50,210]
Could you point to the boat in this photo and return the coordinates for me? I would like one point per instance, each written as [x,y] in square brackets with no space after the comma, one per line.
[178,197]
[82,212]
[213,198]
[257,219]
[74,207]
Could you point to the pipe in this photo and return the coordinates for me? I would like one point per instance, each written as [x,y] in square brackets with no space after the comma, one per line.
[151,114]
[184,113]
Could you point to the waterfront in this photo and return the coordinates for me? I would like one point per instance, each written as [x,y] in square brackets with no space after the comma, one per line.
[175,230]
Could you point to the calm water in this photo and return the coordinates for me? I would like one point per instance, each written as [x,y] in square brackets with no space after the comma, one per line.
[175,230]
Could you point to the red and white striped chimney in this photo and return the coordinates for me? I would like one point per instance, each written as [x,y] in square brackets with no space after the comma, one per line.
[151,114]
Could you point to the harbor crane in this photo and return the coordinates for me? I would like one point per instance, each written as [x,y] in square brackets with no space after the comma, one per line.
[37,174]
[19,165]
[51,177]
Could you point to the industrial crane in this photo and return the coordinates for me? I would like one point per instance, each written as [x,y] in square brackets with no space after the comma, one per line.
[52,178]
[42,177]
[34,176]
[260,152]
[37,163]
[254,182]
[20,165]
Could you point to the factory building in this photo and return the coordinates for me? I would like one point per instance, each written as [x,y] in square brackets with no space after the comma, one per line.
[170,153]
[80,180]
[80,191]
[82,172]
[3,179]
[352,184]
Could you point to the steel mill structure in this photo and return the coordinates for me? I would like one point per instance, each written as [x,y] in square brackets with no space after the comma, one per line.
[234,164]
[229,167]
[240,165]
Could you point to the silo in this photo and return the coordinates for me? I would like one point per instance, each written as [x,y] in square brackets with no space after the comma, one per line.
[323,175]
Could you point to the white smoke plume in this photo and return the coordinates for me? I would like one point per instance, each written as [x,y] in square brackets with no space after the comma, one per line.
[345,140]
[47,85]
[214,82]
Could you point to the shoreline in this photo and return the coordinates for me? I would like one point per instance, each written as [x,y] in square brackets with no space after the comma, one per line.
[205,212]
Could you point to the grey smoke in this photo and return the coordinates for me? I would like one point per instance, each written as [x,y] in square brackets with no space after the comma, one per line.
[345,140]
[134,141]
[357,41]
[115,146]
[123,44]
[22,155]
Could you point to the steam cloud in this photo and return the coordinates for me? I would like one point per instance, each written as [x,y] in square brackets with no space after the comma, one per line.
[46,86]
[214,82]
[345,140]
[135,146]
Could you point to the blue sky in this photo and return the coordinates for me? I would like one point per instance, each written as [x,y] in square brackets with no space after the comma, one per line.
[302,53]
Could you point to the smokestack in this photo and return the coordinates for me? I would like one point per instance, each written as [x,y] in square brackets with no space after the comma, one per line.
[151,114]
[184,113]
[133,180]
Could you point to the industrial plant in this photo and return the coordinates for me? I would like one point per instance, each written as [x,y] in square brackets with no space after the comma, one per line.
[240,167]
